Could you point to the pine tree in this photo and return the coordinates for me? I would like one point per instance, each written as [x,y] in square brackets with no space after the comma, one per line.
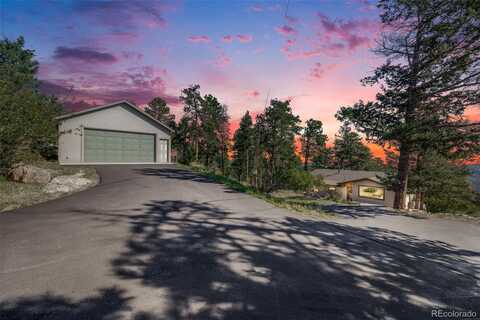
[243,149]
[183,141]
[192,100]
[313,142]
[432,74]
[21,103]
[277,128]
[349,152]
[214,131]
[158,109]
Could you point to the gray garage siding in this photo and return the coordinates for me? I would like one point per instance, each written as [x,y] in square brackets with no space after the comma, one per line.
[119,118]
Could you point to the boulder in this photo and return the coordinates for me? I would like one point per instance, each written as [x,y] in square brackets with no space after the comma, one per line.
[66,184]
[30,174]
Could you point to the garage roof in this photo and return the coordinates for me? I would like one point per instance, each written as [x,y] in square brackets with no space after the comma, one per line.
[126,103]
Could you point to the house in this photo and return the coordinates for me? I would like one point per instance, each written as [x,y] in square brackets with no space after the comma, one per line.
[115,133]
[356,185]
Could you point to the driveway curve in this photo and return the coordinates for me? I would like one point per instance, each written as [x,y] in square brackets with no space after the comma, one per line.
[158,242]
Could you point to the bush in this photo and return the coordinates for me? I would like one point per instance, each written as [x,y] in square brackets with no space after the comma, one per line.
[300,180]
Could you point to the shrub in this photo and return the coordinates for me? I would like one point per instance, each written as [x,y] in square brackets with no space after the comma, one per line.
[300,180]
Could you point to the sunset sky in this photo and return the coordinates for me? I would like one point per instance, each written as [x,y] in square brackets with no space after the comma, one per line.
[314,52]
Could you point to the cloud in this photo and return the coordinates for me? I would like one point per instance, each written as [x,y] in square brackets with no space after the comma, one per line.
[228,38]
[222,60]
[138,84]
[333,38]
[132,55]
[84,54]
[123,15]
[256,8]
[253,94]
[352,33]
[319,70]
[120,37]
[286,30]
[244,38]
[199,39]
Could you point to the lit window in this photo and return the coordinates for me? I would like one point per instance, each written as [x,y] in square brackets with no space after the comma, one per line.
[371,192]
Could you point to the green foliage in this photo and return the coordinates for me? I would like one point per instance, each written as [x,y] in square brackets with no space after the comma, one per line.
[430,76]
[350,153]
[27,118]
[183,141]
[243,149]
[301,180]
[313,144]
[444,184]
[17,65]
[203,132]
[192,106]
[158,109]
[214,132]
[276,129]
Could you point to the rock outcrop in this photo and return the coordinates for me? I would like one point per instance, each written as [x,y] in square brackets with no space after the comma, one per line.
[26,173]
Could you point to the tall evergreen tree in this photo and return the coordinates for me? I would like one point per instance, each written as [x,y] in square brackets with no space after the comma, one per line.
[442,185]
[192,101]
[183,141]
[21,104]
[278,127]
[349,152]
[432,74]
[313,141]
[243,149]
[158,109]
[214,131]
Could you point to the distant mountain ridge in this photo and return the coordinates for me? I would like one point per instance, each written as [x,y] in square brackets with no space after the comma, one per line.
[475,176]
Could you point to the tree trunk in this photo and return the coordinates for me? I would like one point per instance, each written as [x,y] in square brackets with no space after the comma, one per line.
[402,177]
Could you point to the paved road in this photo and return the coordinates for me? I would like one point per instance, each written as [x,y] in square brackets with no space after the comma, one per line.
[162,243]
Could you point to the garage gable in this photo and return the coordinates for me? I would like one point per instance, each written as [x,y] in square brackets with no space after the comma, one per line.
[127,106]
[115,133]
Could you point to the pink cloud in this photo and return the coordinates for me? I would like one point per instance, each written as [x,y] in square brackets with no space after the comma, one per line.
[228,38]
[353,33]
[222,60]
[117,37]
[244,38]
[199,39]
[319,70]
[333,38]
[123,15]
[138,84]
[132,55]
[286,30]
[291,19]
[256,8]
[253,94]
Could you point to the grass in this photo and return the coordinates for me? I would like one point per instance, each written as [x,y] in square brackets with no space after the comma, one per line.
[297,203]
[15,195]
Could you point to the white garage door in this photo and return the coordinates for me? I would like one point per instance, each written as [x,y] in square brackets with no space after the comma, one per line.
[118,147]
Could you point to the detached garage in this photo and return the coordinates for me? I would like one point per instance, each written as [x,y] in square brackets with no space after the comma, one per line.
[112,134]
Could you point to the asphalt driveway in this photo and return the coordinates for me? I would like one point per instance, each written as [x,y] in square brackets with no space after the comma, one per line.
[163,243]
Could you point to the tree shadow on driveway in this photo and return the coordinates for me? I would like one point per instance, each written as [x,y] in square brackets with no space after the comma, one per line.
[218,265]
[215,264]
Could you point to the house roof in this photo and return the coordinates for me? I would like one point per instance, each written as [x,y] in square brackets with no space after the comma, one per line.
[111,105]
[335,176]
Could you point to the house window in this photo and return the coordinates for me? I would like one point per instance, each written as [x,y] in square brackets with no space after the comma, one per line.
[371,192]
